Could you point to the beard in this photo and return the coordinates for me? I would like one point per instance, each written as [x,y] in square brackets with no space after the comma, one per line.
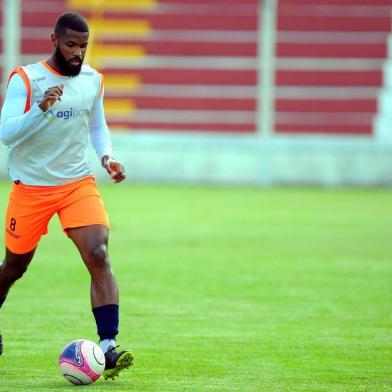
[65,67]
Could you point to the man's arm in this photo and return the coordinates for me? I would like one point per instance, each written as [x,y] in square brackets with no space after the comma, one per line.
[101,141]
[15,125]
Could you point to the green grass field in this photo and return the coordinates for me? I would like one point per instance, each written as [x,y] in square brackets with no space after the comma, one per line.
[222,289]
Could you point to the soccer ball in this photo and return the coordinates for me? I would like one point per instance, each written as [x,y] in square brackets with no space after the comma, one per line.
[82,362]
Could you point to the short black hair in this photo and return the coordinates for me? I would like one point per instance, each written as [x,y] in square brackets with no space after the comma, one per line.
[70,20]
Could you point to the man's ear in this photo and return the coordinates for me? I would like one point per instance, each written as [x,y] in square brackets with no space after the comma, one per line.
[54,41]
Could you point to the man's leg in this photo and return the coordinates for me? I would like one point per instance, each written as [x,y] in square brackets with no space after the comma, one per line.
[92,243]
[11,269]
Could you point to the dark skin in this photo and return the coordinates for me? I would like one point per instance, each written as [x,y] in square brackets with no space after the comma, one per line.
[91,241]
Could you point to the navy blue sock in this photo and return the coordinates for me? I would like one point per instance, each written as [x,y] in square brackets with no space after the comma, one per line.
[106,318]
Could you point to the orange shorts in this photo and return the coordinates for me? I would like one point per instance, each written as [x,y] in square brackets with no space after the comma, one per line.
[31,207]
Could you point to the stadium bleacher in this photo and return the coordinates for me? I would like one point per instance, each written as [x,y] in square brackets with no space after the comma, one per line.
[330,58]
[192,65]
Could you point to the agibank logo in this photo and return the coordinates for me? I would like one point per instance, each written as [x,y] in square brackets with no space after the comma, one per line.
[65,114]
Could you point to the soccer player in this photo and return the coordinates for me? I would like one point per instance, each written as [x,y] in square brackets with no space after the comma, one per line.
[51,110]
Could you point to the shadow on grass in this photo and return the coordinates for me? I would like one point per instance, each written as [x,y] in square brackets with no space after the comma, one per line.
[100,385]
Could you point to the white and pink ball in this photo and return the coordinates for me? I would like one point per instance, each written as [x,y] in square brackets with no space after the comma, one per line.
[82,362]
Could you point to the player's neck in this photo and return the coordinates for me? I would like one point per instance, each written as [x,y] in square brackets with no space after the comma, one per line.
[51,61]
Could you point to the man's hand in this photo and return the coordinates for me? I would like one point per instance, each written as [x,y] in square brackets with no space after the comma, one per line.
[52,94]
[115,169]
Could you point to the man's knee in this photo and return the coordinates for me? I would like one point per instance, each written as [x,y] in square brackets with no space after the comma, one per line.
[98,256]
[15,265]
[14,271]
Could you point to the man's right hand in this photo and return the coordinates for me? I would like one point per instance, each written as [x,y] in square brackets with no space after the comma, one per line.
[52,94]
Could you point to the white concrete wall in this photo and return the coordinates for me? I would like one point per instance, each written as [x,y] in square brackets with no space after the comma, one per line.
[178,158]
[324,161]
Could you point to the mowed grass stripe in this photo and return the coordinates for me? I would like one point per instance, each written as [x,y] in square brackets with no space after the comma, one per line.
[222,289]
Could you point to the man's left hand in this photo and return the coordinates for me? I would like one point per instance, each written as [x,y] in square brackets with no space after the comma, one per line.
[115,169]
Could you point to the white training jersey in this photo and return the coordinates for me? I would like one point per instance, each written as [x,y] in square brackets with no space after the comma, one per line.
[51,148]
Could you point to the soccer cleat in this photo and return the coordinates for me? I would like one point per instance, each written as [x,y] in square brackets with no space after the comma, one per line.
[1,344]
[116,362]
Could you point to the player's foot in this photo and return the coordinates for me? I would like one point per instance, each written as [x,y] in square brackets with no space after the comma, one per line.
[116,362]
[1,344]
